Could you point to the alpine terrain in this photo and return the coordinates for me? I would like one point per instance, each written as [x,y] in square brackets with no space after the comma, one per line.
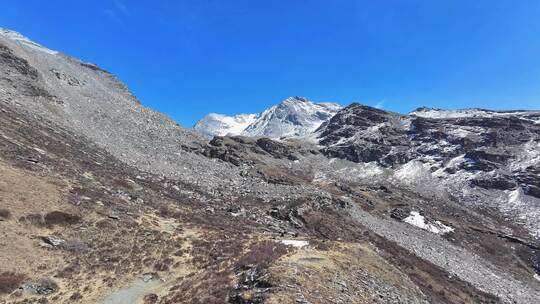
[103,200]
[293,117]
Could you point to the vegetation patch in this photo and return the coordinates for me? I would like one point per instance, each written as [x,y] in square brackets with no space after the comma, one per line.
[61,218]
[9,281]
[5,214]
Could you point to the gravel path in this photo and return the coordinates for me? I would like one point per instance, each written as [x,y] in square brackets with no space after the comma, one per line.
[133,293]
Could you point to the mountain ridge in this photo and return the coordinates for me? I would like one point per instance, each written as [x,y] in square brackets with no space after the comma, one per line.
[294,116]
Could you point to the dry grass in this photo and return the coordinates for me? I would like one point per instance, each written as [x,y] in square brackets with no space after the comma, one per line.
[61,218]
[262,255]
[26,194]
[338,272]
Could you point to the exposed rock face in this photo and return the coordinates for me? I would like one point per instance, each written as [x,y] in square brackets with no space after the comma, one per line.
[464,150]
[364,134]
[295,116]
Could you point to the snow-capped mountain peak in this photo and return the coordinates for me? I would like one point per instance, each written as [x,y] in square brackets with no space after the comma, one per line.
[294,116]
[221,125]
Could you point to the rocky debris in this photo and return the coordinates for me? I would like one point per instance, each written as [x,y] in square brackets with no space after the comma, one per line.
[19,75]
[529,179]
[243,150]
[495,182]
[400,213]
[70,80]
[147,277]
[53,240]
[363,134]
[13,65]
[470,155]
[514,239]
[251,286]
[457,261]
[113,216]
[151,298]
[42,287]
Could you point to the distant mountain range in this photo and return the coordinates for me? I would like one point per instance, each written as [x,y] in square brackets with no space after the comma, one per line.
[294,116]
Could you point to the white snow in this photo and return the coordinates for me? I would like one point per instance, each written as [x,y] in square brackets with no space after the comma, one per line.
[295,243]
[460,133]
[217,124]
[416,219]
[361,170]
[462,113]
[525,209]
[514,197]
[412,172]
[529,156]
[14,36]
[536,276]
[294,116]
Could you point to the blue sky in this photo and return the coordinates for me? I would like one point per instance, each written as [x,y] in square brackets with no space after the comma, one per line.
[188,58]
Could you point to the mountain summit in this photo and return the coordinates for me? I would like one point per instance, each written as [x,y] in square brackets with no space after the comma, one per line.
[294,116]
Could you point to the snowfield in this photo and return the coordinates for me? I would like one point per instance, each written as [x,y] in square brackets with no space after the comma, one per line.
[416,219]
[295,243]
[293,117]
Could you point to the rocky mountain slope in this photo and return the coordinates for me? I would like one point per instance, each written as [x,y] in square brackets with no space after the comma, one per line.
[294,116]
[105,201]
[478,157]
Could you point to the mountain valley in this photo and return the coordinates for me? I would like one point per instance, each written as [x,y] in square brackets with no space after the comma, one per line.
[103,200]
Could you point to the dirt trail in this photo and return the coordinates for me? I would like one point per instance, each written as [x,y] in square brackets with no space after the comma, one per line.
[134,293]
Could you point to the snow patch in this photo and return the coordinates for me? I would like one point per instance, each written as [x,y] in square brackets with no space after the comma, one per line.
[295,243]
[464,113]
[413,172]
[416,219]
[536,276]
[221,125]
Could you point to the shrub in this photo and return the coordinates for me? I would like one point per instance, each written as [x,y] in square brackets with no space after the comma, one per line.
[61,218]
[33,218]
[151,298]
[204,288]
[76,296]
[4,214]
[9,281]
[262,254]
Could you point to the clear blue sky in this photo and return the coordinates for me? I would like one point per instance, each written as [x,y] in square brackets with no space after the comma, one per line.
[187,58]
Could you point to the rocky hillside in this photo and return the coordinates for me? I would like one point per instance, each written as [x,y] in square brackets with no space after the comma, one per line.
[294,116]
[105,201]
[478,157]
